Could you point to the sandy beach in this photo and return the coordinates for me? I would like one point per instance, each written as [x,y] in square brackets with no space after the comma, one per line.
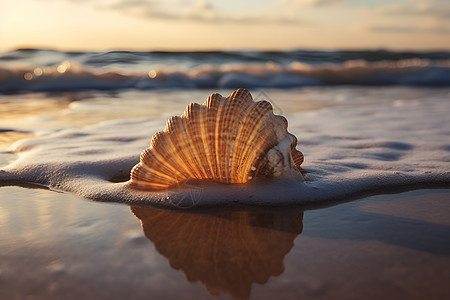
[57,245]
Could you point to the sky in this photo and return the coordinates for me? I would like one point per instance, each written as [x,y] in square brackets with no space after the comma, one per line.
[225,25]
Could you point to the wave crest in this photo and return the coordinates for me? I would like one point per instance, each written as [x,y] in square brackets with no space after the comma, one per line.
[73,76]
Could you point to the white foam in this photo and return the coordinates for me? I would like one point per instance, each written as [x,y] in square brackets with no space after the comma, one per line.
[347,151]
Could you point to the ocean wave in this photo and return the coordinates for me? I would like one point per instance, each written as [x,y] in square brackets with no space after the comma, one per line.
[71,75]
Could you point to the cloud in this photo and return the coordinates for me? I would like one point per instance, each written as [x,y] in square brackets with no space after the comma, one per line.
[300,3]
[416,8]
[197,11]
[411,17]
[139,8]
[72,1]
[406,30]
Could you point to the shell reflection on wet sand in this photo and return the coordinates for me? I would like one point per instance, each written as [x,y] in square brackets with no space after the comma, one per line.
[227,252]
[226,140]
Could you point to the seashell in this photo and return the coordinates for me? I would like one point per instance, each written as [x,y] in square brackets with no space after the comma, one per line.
[226,140]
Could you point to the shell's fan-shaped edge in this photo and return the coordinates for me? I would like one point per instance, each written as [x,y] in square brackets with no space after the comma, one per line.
[227,140]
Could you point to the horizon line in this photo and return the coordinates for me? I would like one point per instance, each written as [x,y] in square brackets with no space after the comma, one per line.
[207,49]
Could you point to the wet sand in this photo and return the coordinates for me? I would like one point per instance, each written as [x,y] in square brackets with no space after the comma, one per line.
[56,245]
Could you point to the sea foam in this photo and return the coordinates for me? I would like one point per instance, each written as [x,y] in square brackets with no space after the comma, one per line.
[347,152]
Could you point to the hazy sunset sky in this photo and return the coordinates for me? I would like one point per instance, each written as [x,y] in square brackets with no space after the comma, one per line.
[232,24]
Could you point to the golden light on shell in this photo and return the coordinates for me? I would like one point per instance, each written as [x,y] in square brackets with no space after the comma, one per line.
[227,140]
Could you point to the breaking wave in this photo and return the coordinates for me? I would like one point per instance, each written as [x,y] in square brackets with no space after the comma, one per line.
[71,75]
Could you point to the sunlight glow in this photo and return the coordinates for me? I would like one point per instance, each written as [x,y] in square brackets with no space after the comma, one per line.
[38,72]
[28,76]
[62,68]
[210,25]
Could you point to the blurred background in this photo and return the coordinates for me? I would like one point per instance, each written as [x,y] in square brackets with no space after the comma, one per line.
[225,25]
[79,62]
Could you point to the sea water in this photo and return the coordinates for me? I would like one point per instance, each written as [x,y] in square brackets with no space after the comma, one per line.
[366,120]
[51,70]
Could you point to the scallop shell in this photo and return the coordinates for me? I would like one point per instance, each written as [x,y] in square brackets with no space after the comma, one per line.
[227,140]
